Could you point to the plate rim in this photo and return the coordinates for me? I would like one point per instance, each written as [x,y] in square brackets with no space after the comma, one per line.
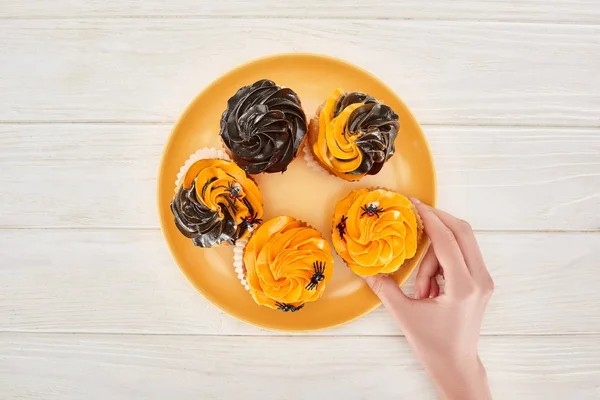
[170,140]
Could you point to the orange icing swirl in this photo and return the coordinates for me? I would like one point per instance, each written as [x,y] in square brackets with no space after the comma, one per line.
[217,202]
[281,259]
[355,135]
[375,231]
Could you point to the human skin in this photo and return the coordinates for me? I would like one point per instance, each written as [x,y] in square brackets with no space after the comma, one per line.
[443,329]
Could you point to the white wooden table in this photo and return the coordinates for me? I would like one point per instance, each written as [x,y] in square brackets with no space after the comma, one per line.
[93,307]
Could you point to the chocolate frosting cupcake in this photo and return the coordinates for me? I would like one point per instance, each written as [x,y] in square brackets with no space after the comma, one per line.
[263,127]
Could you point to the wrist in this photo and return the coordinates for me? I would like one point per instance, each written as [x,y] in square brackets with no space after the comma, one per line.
[463,379]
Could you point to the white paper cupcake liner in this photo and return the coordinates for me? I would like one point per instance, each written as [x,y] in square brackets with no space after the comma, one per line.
[313,164]
[238,262]
[201,154]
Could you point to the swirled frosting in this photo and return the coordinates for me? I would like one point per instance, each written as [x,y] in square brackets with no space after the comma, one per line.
[375,231]
[263,127]
[287,264]
[217,202]
[354,135]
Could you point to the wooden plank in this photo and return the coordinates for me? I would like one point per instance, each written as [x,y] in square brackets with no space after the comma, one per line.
[447,72]
[157,367]
[519,178]
[113,281]
[580,11]
[105,175]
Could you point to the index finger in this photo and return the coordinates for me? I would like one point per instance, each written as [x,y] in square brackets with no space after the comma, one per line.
[445,247]
[470,249]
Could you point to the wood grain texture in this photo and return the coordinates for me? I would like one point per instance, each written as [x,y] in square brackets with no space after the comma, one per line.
[133,70]
[71,175]
[580,11]
[125,281]
[93,306]
[157,367]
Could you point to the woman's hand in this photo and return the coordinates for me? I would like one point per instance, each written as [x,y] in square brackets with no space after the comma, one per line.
[443,329]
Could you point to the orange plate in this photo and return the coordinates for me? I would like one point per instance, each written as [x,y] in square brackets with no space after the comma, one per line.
[299,192]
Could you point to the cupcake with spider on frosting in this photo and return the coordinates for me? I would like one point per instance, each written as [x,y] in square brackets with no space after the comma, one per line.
[376,231]
[284,264]
[352,135]
[215,200]
[263,127]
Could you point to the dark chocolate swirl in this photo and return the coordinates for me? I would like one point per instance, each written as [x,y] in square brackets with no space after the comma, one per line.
[216,203]
[200,223]
[352,98]
[263,127]
[356,135]
[376,126]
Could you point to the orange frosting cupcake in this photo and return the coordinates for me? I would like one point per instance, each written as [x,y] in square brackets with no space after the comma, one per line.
[376,231]
[287,264]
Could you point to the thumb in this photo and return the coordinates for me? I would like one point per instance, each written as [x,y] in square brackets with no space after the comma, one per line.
[386,288]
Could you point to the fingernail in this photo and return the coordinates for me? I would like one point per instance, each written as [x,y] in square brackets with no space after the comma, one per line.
[414,200]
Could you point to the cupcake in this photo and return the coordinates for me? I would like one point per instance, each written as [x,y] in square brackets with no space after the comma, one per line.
[352,135]
[376,231]
[215,201]
[263,127]
[285,264]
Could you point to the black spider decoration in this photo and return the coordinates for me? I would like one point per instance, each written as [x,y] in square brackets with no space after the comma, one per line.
[288,307]
[371,209]
[341,227]
[235,190]
[318,276]
[251,220]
